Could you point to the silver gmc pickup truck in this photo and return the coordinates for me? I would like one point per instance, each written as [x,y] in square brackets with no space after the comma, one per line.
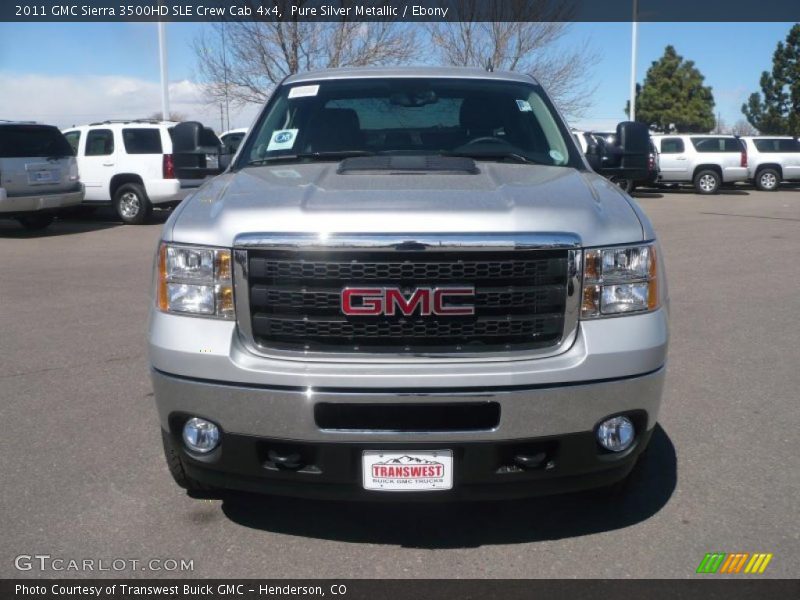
[409,284]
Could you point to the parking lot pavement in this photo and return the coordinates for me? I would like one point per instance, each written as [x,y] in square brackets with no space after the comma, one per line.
[83,474]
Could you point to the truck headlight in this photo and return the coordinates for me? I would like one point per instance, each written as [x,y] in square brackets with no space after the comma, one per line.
[195,280]
[619,280]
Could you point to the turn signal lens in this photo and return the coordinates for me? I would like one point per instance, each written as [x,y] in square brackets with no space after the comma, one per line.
[195,281]
[619,280]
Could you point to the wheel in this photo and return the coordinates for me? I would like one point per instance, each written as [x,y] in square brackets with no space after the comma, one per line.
[36,222]
[132,204]
[625,184]
[767,180]
[176,469]
[707,182]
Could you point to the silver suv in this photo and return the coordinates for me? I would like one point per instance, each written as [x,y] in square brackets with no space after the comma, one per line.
[705,161]
[409,283]
[38,174]
[772,159]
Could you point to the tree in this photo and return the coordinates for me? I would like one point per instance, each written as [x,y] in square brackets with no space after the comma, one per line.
[673,97]
[776,110]
[173,116]
[742,127]
[519,36]
[242,61]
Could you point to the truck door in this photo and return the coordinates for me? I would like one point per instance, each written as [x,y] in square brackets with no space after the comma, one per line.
[673,160]
[96,163]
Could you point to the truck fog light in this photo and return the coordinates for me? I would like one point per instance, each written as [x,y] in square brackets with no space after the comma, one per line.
[200,435]
[616,434]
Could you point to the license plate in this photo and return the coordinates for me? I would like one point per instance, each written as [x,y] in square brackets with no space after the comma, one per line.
[42,177]
[397,471]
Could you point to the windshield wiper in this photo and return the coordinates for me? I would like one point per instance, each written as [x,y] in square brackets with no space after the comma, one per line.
[494,156]
[330,155]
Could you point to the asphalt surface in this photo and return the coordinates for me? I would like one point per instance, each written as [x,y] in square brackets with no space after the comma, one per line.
[83,477]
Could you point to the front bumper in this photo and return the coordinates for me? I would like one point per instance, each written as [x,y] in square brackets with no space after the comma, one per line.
[42,202]
[557,420]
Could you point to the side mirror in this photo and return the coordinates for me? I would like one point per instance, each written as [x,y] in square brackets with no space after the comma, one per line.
[225,159]
[633,140]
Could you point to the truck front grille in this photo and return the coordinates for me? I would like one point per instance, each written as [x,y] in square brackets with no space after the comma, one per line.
[294,299]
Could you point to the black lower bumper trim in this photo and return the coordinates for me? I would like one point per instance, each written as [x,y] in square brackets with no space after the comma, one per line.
[482,470]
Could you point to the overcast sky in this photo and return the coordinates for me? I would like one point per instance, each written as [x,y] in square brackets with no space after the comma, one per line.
[69,74]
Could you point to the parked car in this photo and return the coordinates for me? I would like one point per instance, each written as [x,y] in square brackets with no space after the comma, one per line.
[231,140]
[409,283]
[705,161]
[138,164]
[591,143]
[771,160]
[38,174]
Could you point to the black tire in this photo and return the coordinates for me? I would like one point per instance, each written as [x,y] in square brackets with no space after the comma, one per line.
[707,182]
[132,204]
[768,180]
[36,222]
[176,468]
[626,185]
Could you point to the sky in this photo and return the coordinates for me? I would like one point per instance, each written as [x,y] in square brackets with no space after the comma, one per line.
[74,73]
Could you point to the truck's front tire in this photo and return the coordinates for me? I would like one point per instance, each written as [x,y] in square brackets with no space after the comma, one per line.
[707,182]
[132,204]
[176,468]
[768,180]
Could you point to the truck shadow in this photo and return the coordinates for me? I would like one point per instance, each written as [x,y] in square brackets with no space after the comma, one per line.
[467,525]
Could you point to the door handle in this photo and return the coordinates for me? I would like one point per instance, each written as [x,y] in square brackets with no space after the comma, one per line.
[108,164]
[680,158]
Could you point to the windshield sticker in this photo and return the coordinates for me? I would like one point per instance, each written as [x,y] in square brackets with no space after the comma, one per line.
[556,156]
[303,91]
[524,106]
[282,139]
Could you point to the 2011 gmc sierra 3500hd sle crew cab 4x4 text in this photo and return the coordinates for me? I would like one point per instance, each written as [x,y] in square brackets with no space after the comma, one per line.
[409,284]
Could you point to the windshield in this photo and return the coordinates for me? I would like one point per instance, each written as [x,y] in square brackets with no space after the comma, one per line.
[483,119]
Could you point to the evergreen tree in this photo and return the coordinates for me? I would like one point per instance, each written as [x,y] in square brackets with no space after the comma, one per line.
[673,97]
[776,110]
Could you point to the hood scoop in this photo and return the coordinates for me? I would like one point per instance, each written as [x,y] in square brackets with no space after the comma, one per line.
[408,165]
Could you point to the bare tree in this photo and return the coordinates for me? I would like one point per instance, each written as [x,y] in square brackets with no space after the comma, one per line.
[743,127]
[173,116]
[520,36]
[720,125]
[257,55]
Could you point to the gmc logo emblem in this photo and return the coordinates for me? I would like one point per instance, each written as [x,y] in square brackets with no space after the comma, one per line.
[391,301]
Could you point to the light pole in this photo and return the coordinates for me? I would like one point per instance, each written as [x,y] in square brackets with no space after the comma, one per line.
[162,52]
[634,40]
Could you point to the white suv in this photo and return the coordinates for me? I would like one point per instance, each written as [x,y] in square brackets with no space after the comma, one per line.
[135,165]
[704,160]
[772,159]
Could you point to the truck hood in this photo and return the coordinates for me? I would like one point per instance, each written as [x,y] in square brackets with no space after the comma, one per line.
[500,198]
